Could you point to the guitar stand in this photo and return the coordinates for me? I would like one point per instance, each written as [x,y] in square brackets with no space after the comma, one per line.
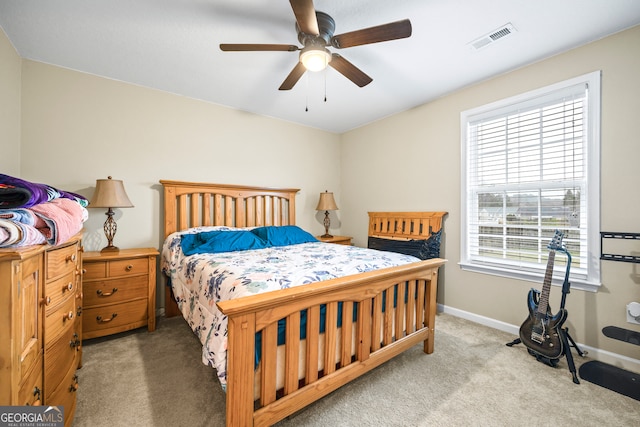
[567,341]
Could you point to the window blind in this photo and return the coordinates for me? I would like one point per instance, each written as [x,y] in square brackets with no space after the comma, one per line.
[527,174]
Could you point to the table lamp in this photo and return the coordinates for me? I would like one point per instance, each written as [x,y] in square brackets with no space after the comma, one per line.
[110,194]
[326,204]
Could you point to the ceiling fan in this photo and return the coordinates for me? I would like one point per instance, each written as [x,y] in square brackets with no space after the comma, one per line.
[315,32]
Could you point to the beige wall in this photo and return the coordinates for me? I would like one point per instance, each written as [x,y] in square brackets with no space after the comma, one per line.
[411,161]
[9,107]
[78,127]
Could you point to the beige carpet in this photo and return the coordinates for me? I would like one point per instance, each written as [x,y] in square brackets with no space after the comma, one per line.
[472,379]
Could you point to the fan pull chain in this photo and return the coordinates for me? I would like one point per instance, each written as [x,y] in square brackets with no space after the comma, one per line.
[325,84]
[306,107]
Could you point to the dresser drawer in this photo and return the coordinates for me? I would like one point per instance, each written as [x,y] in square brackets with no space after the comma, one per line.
[115,290]
[65,395]
[60,357]
[56,291]
[59,321]
[103,320]
[62,260]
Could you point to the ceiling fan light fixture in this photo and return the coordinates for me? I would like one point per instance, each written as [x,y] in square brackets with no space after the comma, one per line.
[315,58]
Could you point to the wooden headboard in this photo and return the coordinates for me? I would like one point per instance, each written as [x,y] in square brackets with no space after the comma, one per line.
[404,225]
[194,204]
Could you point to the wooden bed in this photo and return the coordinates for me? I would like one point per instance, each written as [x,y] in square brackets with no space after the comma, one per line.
[381,332]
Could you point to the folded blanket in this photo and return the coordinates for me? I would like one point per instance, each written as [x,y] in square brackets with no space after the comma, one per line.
[13,233]
[24,216]
[18,193]
[63,219]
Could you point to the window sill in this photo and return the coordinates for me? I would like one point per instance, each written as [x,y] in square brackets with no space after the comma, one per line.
[576,283]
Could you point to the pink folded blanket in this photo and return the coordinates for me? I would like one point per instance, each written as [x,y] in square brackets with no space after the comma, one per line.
[62,219]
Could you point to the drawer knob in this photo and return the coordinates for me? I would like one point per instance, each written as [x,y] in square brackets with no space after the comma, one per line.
[46,300]
[71,258]
[69,287]
[68,316]
[100,319]
[106,294]
[129,267]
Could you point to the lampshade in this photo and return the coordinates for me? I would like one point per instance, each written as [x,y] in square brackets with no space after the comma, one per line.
[326,202]
[110,194]
[315,58]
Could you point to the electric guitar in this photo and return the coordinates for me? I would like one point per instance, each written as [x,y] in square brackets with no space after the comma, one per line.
[539,332]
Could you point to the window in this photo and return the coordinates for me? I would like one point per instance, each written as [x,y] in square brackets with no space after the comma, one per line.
[531,165]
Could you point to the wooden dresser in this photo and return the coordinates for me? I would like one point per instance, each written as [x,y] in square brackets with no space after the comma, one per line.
[119,290]
[40,330]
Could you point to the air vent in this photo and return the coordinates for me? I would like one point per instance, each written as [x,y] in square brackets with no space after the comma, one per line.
[493,36]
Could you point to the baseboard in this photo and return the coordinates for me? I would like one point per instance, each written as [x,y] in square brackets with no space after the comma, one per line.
[605,356]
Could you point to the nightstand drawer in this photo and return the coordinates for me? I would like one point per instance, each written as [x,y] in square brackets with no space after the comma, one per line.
[94,270]
[102,320]
[61,261]
[128,267]
[102,292]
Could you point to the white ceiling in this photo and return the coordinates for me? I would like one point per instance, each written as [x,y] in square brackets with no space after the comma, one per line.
[172,45]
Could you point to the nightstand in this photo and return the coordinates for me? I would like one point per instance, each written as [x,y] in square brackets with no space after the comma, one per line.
[340,240]
[119,291]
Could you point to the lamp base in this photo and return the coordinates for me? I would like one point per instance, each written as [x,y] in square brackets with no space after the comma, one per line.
[110,249]
[326,236]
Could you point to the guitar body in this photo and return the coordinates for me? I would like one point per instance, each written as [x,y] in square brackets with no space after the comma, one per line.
[540,332]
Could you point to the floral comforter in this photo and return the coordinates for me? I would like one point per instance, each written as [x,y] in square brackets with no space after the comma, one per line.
[199,281]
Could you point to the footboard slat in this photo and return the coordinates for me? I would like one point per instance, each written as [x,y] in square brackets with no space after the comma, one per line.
[292,349]
[331,333]
[311,363]
[346,334]
[269,364]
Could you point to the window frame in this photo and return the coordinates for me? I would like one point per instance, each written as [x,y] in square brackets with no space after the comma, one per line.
[591,281]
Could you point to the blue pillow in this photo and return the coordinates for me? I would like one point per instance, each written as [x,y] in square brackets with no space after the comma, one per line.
[283,235]
[221,241]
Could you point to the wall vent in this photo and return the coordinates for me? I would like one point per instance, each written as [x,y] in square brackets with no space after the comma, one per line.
[493,36]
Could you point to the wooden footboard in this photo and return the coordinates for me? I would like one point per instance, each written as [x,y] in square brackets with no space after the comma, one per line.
[382,331]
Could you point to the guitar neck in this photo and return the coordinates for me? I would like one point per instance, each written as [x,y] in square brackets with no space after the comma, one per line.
[543,304]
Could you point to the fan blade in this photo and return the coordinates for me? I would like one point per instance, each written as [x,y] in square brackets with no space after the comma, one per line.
[381,33]
[293,77]
[258,47]
[305,16]
[349,70]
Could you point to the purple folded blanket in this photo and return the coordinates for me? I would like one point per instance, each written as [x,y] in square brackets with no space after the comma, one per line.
[18,193]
